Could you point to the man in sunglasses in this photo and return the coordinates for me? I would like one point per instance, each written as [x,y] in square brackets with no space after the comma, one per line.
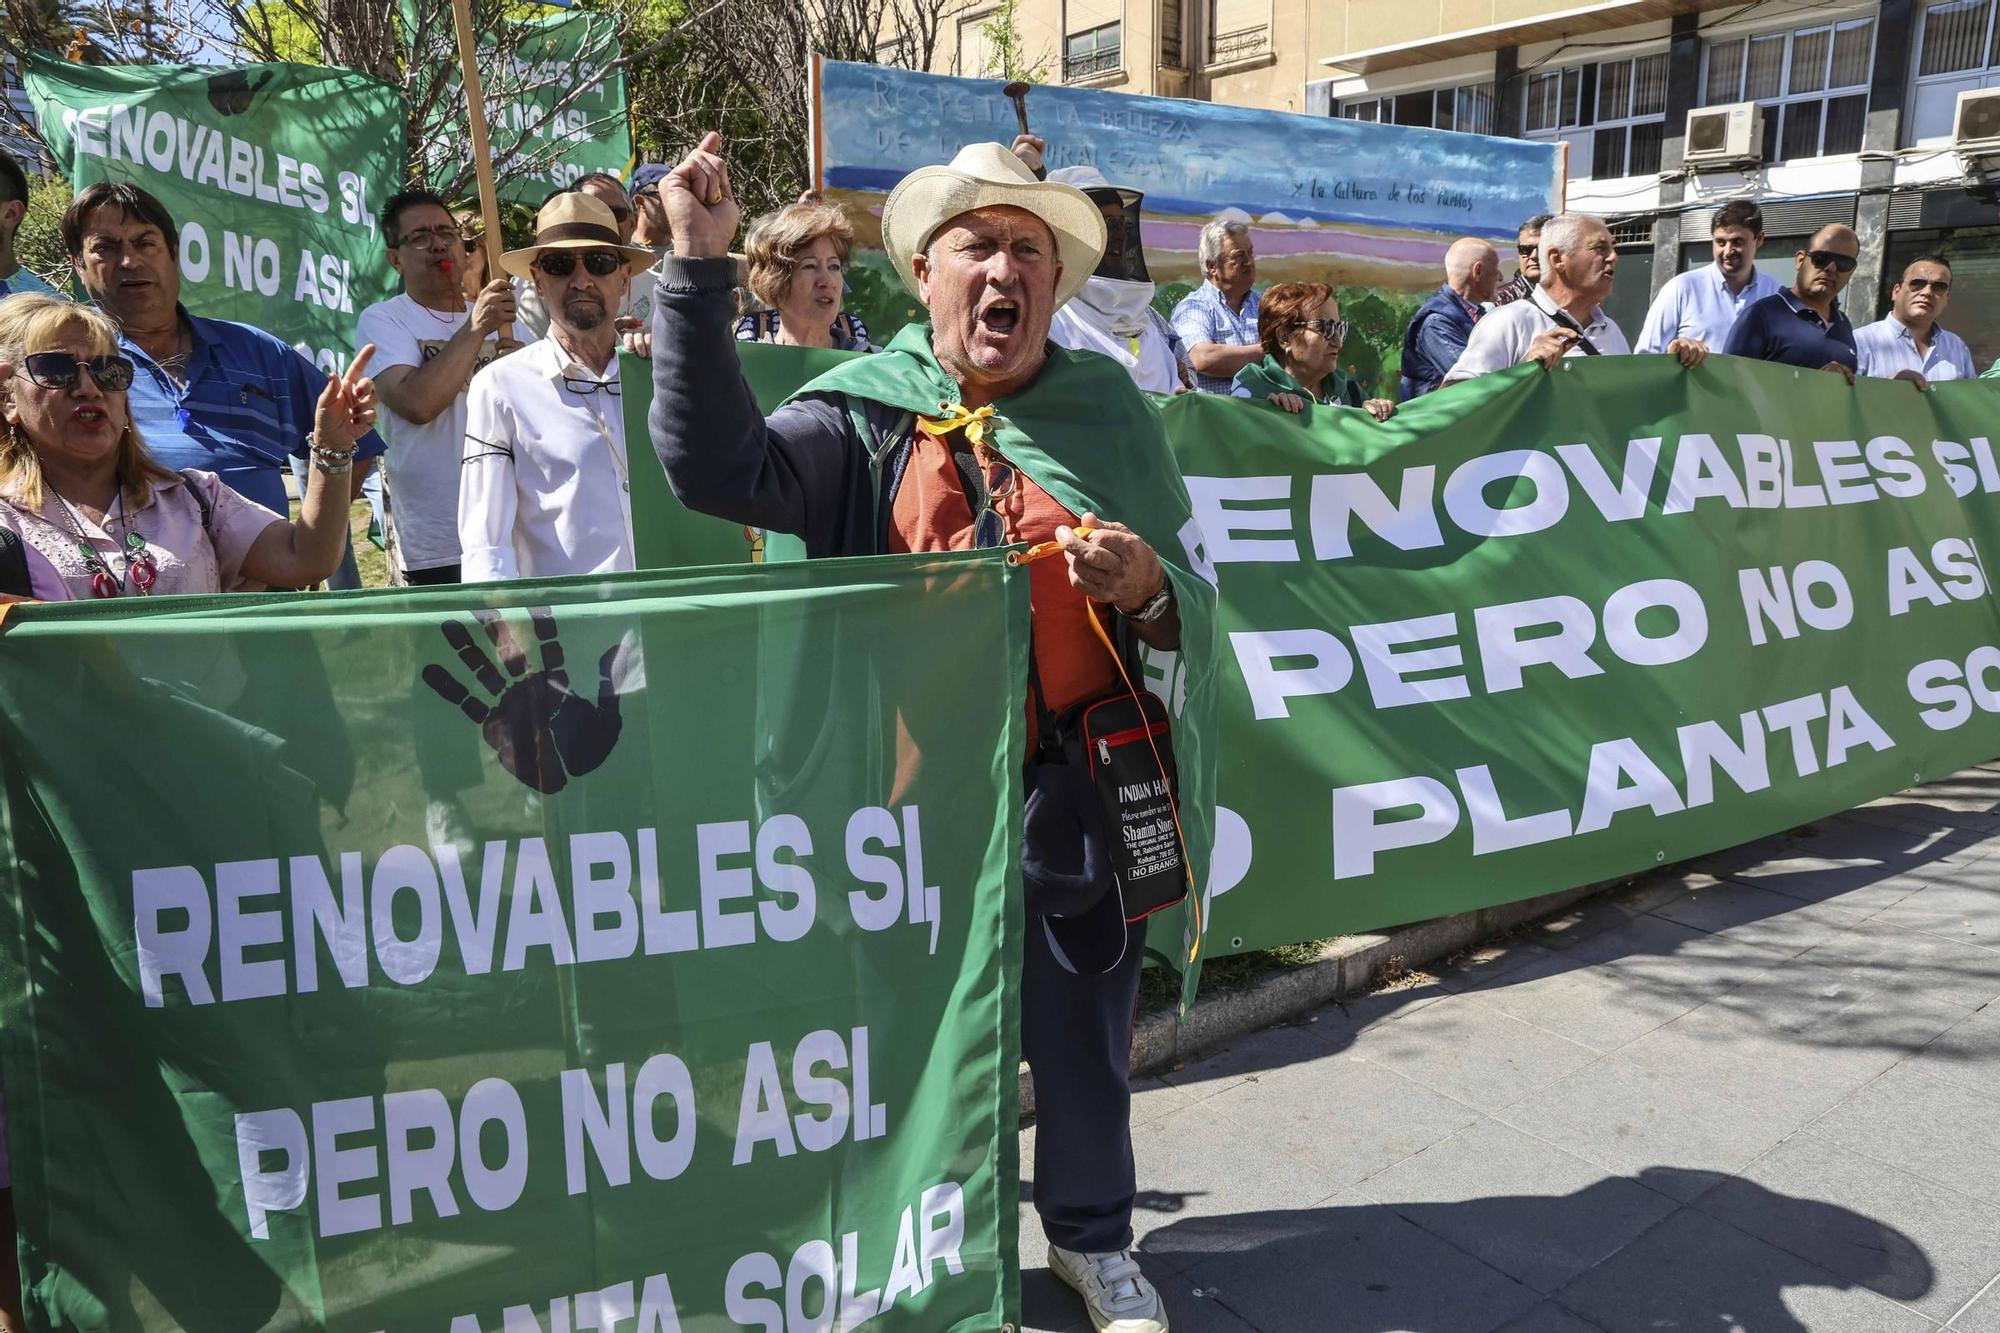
[1909,344]
[649,215]
[427,347]
[545,488]
[1528,247]
[637,303]
[211,393]
[1803,325]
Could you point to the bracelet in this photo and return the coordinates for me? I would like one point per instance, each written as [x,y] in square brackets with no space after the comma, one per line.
[332,462]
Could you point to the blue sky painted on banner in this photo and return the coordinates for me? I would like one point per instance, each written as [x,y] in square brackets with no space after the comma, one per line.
[1192,157]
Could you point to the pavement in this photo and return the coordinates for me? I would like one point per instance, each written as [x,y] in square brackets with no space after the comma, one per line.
[1758,1092]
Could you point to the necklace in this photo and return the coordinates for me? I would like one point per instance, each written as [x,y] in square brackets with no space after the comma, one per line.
[175,366]
[141,570]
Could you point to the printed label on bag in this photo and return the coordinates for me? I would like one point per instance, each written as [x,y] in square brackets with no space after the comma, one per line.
[1146,824]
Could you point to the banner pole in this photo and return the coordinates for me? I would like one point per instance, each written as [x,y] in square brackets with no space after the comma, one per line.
[482,152]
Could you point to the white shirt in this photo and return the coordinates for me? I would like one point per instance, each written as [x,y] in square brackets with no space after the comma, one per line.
[544,488]
[1886,347]
[424,459]
[1698,304]
[1501,338]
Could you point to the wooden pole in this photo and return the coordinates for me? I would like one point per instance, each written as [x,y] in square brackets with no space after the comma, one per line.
[482,151]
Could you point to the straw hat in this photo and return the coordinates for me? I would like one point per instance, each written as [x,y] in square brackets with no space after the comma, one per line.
[981,176]
[574,220]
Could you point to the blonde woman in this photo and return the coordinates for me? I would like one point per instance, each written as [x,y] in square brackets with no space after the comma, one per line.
[101,518]
[798,267]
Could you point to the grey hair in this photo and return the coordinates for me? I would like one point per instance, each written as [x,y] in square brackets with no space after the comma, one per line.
[1563,231]
[1211,238]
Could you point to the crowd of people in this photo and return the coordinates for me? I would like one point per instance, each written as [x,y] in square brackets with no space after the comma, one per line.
[146,447]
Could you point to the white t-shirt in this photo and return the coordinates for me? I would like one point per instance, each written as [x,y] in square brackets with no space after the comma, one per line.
[423,461]
[1502,338]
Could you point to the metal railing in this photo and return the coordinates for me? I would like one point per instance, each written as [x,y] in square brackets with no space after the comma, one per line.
[1239,45]
[1101,61]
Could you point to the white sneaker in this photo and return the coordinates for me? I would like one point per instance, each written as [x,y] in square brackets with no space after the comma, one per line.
[1116,1293]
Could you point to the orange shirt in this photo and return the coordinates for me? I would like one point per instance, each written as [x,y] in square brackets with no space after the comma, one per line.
[931,513]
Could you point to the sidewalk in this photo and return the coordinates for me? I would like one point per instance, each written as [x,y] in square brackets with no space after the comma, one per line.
[1759,1092]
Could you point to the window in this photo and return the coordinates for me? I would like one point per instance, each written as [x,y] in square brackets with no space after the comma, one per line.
[1957,50]
[1238,30]
[1812,84]
[1090,53]
[1468,109]
[1612,114]
[1170,34]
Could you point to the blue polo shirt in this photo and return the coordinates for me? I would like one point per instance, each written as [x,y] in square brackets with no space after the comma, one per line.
[1784,329]
[247,405]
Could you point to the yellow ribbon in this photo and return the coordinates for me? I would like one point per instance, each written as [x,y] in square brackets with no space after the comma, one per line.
[958,417]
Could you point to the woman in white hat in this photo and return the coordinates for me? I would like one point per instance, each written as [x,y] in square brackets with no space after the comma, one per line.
[972,431]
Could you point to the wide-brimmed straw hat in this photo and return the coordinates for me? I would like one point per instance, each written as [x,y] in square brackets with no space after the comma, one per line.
[574,220]
[985,175]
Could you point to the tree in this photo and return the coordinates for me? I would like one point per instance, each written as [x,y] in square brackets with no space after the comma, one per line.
[1006,49]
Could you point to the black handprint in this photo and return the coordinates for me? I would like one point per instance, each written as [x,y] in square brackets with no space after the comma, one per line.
[542,730]
[231,91]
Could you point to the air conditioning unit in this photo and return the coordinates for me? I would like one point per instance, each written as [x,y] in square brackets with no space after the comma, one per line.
[1975,130]
[1725,135]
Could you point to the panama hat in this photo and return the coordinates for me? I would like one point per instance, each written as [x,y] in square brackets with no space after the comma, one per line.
[984,175]
[575,221]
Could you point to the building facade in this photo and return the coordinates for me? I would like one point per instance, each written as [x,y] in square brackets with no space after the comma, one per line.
[1857,101]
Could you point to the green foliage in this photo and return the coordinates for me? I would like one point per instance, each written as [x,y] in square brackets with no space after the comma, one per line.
[38,244]
[878,296]
[288,36]
[1007,51]
[1373,353]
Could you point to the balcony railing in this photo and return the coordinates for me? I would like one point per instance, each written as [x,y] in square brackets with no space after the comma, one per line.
[1239,45]
[1101,61]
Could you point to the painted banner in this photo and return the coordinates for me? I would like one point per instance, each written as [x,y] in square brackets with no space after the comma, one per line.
[273,173]
[1366,207]
[1546,629]
[553,112]
[653,969]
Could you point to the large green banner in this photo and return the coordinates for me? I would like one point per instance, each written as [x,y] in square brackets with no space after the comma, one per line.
[654,971]
[1549,628]
[273,174]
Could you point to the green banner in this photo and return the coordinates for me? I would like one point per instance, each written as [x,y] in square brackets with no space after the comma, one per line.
[652,972]
[553,112]
[273,173]
[1545,629]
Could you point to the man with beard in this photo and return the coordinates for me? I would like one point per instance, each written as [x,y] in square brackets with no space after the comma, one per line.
[1702,304]
[546,486]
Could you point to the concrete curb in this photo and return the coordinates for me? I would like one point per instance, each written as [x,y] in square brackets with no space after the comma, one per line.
[1346,967]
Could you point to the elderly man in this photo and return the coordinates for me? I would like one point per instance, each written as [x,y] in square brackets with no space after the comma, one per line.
[546,487]
[211,394]
[427,346]
[1703,304]
[971,431]
[1436,335]
[1217,321]
[1528,246]
[649,211]
[637,303]
[1564,314]
[1803,325]
[14,207]
[1909,344]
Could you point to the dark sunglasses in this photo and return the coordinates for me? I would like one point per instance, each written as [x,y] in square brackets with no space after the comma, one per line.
[562,263]
[1529,250]
[1828,259]
[58,370]
[1333,330]
[1938,285]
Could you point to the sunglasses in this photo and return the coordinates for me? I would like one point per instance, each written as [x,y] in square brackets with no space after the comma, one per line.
[988,527]
[1938,285]
[1529,250]
[1828,259]
[59,370]
[562,263]
[1333,330]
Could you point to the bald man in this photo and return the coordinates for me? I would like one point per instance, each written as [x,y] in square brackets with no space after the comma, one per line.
[1438,332]
[1803,324]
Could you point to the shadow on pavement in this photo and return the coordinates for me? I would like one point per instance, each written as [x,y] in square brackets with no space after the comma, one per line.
[1444,1267]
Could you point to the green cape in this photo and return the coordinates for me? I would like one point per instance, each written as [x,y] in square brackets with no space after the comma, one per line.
[1086,435]
[1267,377]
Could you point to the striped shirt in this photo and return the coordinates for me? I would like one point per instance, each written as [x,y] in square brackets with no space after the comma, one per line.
[246,405]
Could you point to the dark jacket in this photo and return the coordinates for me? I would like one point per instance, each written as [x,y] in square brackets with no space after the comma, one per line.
[1436,335]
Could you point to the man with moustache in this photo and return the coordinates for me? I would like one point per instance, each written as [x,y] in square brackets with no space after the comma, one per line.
[546,484]
[1803,325]
[1703,303]
[1564,314]
[971,430]
[1909,344]
[427,345]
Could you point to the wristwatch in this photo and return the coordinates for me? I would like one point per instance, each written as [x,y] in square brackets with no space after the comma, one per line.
[1153,607]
